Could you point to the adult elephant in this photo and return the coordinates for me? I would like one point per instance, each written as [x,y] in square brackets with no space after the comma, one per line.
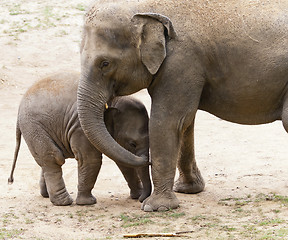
[229,58]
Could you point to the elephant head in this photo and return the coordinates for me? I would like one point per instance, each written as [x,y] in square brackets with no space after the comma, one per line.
[120,54]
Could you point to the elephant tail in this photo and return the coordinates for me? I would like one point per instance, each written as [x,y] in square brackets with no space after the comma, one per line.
[18,143]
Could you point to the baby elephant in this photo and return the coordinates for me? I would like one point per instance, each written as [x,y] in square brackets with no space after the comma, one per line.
[49,122]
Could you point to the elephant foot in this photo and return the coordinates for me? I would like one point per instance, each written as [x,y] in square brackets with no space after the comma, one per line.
[160,202]
[135,193]
[62,199]
[43,190]
[194,185]
[44,193]
[144,195]
[140,194]
[43,187]
[85,199]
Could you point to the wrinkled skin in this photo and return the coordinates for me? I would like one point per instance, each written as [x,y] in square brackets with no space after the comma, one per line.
[229,58]
[49,123]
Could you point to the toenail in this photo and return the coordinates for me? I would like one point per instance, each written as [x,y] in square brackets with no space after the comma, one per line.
[148,208]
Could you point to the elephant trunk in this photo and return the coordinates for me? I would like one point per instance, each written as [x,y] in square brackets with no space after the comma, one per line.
[92,97]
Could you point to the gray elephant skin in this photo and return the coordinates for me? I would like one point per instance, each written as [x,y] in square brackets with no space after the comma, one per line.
[229,58]
[49,123]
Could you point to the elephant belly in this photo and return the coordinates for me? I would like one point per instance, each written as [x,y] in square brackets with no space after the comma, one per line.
[243,108]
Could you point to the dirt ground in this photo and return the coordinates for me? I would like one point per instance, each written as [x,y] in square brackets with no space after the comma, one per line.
[245,167]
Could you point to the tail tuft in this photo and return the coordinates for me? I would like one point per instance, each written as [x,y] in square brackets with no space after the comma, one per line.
[10,180]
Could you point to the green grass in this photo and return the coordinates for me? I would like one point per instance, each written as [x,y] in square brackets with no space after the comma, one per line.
[80,7]
[131,220]
[272,197]
[282,199]
[277,234]
[16,10]
[29,221]
[10,233]
[273,222]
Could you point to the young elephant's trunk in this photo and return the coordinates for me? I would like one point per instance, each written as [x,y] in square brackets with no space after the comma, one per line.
[91,101]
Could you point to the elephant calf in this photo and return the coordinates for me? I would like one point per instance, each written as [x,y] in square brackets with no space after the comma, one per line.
[48,120]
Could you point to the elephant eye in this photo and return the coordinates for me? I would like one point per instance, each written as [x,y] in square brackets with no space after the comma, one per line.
[104,64]
[132,144]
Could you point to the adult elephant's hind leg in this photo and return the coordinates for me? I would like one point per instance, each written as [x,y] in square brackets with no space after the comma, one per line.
[190,179]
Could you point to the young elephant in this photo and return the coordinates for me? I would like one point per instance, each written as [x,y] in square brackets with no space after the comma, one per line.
[48,120]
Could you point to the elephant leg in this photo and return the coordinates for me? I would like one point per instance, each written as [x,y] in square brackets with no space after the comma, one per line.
[55,185]
[50,158]
[89,164]
[144,175]
[164,161]
[190,179]
[285,113]
[169,122]
[87,175]
[43,187]
[131,176]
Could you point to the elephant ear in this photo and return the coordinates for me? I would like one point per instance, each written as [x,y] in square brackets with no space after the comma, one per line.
[154,29]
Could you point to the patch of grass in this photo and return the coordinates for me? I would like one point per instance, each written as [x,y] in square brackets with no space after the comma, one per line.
[198,218]
[282,199]
[94,218]
[10,215]
[131,220]
[48,11]
[176,214]
[29,221]
[235,201]
[275,221]
[249,231]
[168,214]
[10,233]
[276,211]
[61,33]
[48,16]
[81,214]
[281,233]
[16,10]
[80,7]
[238,210]
[272,197]
[17,27]
[242,202]
[207,222]
[228,228]
[6,218]
[58,220]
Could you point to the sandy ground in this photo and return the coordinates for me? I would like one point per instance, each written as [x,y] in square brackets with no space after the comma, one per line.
[245,167]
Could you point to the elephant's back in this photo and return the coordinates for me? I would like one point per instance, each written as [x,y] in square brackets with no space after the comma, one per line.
[50,96]
[48,110]
[57,84]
